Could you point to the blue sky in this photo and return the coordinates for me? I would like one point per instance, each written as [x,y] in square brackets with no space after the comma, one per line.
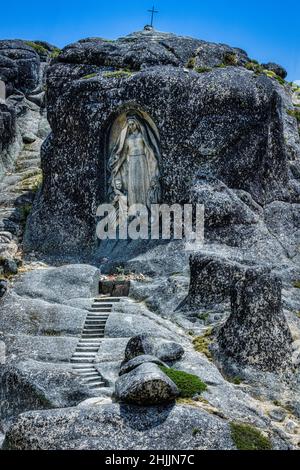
[268,30]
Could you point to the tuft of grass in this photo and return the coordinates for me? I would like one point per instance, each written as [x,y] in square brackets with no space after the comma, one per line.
[298,314]
[195,431]
[90,75]
[297,284]
[230,58]
[118,74]
[254,66]
[191,63]
[247,437]
[203,69]
[189,385]
[201,343]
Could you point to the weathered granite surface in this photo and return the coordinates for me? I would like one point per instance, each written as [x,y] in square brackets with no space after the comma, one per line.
[221,131]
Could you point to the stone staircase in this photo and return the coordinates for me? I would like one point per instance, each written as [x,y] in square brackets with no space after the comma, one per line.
[89,343]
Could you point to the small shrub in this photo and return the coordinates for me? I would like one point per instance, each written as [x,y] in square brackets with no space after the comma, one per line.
[297,284]
[189,385]
[201,343]
[195,431]
[246,437]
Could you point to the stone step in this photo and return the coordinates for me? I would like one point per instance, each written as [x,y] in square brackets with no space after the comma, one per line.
[102,305]
[89,343]
[94,317]
[89,374]
[94,380]
[82,359]
[87,348]
[99,310]
[93,328]
[84,368]
[92,320]
[96,384]
[93,335]
[82,353]
[107,299]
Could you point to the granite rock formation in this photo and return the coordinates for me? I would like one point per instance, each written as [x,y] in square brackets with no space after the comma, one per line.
[228,138]
[240,147]
[256,333]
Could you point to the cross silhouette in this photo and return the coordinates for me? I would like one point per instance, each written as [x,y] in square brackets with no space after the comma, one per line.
[153,11]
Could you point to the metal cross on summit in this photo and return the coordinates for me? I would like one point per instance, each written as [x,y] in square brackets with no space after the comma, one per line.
[153,11]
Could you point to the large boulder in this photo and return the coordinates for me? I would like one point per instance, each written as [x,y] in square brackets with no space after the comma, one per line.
[120,427]
[226,123]
[256,333]
[19,65]
[211,280]
[158,347]
[145,385]
[276,68]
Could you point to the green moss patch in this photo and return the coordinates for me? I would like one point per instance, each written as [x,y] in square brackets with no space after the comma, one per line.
[297,284]
[247,437]
[189,385]
[90,75]
[37,47]
[118,74]
[201,343]
[203,69]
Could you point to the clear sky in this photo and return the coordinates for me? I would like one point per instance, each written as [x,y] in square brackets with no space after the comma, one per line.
[268,30]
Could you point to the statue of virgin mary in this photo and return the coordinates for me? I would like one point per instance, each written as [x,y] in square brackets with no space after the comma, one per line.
[134,162]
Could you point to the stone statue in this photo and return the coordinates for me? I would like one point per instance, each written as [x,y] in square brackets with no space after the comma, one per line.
[134,162]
